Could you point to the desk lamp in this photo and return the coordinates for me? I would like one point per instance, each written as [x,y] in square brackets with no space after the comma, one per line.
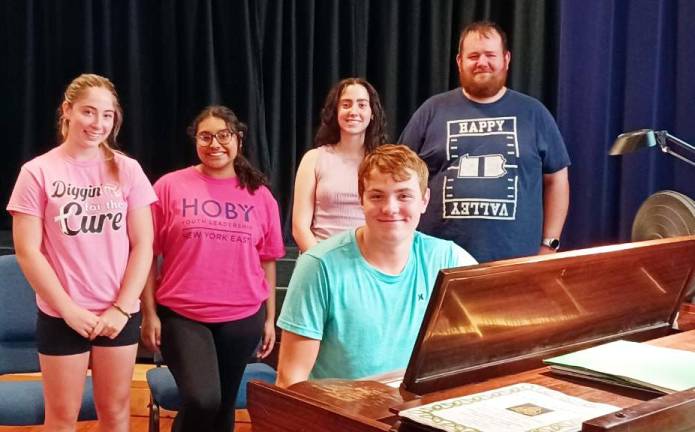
[643,138]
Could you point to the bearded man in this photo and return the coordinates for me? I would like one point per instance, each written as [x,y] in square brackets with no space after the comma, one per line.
[497,161]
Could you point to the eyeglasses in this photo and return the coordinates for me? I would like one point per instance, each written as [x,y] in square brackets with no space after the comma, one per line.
[223,136]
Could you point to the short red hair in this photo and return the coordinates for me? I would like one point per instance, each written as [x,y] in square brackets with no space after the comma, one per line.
[393,159]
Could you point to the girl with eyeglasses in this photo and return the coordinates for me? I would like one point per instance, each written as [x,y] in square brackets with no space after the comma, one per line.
[82,232]
[217,230]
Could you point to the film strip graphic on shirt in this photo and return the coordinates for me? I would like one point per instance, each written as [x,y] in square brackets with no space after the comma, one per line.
[483,175]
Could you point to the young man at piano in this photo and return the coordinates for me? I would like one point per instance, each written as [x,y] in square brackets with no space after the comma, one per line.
[356,300]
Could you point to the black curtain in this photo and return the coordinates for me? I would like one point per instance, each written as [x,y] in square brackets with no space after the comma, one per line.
[272,61]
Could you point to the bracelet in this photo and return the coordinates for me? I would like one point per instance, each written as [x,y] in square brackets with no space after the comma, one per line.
[121,310]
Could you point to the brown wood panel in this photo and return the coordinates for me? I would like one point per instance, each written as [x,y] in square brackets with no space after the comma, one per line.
[582,388]
[673,413]
[274,409]
[506,316]
[686,317]
[306,407]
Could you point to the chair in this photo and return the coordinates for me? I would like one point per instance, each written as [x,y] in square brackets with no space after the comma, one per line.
[21,401]
[164,393]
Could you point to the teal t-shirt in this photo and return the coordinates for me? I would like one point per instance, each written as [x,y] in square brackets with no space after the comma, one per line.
[367,320]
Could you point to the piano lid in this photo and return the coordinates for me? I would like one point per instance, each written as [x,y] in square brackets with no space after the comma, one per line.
[506,316]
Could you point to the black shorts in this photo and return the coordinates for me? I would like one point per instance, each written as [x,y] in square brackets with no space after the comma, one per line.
[55,337]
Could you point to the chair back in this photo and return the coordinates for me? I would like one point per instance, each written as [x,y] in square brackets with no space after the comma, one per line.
[17,320]
[21,402]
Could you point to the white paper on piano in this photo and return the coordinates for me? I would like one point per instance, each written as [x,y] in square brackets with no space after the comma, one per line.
[517,408]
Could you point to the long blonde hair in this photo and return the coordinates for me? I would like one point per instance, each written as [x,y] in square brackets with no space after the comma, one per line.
[73,92]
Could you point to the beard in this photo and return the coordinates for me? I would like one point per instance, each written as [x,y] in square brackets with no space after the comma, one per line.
[483,88]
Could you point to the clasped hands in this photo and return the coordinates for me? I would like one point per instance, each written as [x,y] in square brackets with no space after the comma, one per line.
[90,325]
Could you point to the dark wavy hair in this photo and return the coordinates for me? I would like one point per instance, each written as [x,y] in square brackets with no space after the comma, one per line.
[329,130]
[250,177]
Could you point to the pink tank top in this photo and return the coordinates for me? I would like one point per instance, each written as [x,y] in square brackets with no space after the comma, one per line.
[337,206]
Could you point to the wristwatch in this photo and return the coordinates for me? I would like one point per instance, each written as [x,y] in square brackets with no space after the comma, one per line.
[552,243]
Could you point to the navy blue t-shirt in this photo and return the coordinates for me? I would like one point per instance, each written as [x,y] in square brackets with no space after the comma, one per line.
[486,164]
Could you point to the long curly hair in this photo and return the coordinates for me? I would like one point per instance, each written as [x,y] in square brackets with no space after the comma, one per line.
[329,130]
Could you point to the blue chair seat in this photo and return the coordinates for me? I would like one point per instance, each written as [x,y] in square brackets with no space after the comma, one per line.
[21,403]
[166,394]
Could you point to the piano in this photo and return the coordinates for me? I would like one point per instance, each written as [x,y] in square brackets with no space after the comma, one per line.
[491,325]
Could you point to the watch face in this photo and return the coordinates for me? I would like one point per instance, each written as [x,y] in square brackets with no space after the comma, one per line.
[551,243]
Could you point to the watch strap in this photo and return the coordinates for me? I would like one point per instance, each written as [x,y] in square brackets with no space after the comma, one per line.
[552,243]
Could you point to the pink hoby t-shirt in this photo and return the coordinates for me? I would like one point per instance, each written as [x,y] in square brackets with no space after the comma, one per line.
[84,213]
[212,236]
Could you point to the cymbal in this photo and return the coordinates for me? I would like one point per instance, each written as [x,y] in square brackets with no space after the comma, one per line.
[665,214]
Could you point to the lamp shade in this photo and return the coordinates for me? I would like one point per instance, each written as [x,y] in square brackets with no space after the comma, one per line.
[629,142]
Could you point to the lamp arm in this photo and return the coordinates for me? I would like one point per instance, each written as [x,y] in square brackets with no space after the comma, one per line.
[668,150]
[664,137]
[679,142]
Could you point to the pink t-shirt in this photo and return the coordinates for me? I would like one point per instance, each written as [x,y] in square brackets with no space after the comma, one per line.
[212,236]
[83,209]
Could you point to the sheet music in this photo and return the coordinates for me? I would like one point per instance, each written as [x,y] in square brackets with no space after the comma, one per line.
[666,370]
[517,408]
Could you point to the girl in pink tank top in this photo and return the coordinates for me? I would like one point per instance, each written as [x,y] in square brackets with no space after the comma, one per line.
[326,202]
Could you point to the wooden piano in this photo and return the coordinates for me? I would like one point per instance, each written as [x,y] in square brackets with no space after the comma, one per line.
[490,325]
